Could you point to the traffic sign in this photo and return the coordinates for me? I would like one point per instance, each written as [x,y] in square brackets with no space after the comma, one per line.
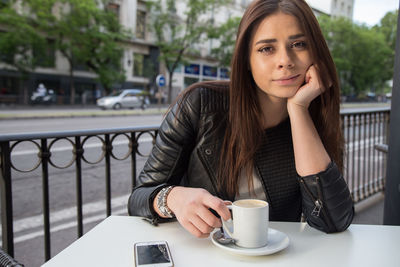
[160,80]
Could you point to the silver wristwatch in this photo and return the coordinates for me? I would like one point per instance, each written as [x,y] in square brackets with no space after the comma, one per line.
[162,202]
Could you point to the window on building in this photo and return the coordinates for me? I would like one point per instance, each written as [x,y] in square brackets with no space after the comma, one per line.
[45,56]
[138,64]
[342,6]
[140,24]
[189,81]
[114,8]
[141,65]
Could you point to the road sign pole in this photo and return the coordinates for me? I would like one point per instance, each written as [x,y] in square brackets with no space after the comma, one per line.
[160,81]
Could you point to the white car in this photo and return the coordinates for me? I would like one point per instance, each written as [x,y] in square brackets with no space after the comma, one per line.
[127,98]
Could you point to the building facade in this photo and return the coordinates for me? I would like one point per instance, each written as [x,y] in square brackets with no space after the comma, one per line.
[140,55]
[206,68]
[139,51]
[334,8]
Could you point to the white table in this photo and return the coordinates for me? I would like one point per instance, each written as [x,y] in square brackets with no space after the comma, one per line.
[110,244]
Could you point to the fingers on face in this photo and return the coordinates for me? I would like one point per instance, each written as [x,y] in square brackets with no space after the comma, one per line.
[314,73]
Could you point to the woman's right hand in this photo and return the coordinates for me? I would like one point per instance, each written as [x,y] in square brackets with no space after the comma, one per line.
[191,208]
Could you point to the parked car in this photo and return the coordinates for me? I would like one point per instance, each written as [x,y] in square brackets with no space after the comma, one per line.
[127,98]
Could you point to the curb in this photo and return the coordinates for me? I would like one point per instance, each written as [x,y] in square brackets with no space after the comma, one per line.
[54,114]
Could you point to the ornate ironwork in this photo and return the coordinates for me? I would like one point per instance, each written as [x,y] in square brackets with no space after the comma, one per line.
[78,140]
[362,131]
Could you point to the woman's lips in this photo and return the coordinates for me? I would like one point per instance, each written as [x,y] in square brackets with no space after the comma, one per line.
[287,80]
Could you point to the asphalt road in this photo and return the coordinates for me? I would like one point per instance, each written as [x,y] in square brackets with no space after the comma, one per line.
[13,126]
[27,187]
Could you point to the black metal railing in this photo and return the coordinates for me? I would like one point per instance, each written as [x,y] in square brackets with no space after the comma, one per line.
[364,164]
[365,167]
[44,143]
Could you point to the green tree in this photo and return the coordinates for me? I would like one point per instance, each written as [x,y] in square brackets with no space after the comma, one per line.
[17,43]
[388,27]
[177,33]
[84,33]
[82,30]
[360,54]
[225,35]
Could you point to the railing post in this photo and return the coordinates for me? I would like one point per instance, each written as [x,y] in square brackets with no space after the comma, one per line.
[353,139]
[108,148]
[78,161]
[6,199]
[134,148]
[45,155]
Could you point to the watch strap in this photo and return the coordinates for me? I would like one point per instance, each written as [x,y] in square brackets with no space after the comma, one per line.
[162,202]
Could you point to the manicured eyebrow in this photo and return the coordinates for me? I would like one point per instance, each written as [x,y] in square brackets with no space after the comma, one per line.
[296,36]
[267,41]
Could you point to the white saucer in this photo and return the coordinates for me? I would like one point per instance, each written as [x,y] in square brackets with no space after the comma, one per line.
[276,242]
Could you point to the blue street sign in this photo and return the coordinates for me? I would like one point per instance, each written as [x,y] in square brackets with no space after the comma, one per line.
[160,80]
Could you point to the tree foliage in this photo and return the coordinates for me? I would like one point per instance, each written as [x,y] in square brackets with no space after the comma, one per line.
[225,35]
[361,55]
[18,38]
[83,31]
[177,33]
[388,28]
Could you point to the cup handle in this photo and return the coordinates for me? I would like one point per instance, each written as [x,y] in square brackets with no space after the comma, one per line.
[228,225]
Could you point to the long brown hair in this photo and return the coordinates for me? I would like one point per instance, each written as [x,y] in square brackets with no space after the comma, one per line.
[244,129]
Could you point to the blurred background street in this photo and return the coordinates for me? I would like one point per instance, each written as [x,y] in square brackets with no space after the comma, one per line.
[110,70]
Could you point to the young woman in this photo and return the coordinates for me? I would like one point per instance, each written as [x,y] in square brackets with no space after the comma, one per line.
[270,133]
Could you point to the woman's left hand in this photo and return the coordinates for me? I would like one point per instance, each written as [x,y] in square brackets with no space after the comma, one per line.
[309,90]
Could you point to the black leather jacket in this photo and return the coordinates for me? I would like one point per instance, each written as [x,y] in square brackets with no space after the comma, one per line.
[186,153]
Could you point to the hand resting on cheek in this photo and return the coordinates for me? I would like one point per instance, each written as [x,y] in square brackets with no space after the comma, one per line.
[309,90]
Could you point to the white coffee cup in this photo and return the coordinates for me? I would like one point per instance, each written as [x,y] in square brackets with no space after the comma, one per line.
[249,226]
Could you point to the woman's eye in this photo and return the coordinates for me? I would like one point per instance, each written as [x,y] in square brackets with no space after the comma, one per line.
[300,44]
[266,49]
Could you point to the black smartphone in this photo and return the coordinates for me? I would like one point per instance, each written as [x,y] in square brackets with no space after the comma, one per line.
[153,254]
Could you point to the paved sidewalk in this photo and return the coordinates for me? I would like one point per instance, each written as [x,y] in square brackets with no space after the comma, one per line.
[370,211]
[57,111]
[36,112]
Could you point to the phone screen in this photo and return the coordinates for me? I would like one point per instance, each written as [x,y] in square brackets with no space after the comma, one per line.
[151,254]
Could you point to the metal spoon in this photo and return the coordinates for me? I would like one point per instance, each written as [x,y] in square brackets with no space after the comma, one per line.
[222,239]
[219,235]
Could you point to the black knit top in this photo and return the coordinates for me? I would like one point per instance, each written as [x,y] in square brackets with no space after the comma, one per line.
[276,168]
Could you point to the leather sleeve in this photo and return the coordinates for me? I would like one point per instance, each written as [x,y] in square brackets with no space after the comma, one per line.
[169,157]
[327,203]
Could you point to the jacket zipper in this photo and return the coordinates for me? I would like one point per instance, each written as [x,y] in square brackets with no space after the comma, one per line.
[318,204]
[327,216]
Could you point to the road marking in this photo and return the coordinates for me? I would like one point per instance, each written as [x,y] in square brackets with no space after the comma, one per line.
[118,206]
[64,226]
[69,148]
